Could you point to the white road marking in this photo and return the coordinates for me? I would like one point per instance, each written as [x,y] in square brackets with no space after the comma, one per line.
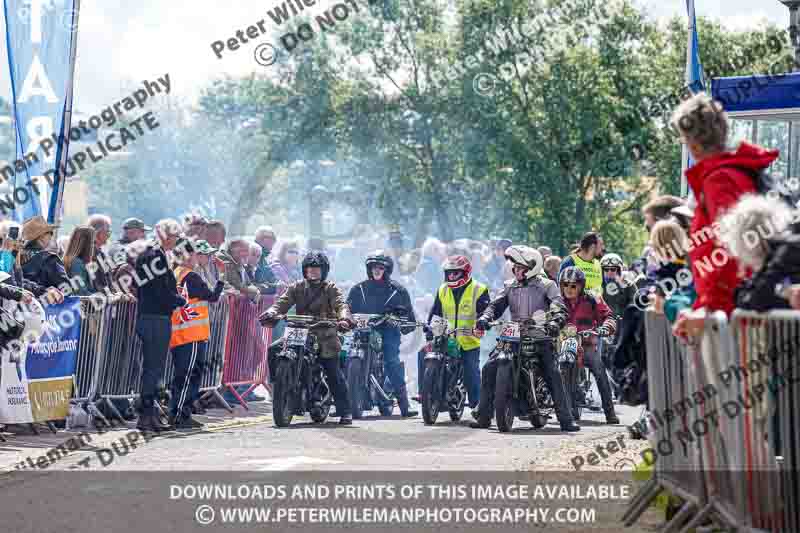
[288,463]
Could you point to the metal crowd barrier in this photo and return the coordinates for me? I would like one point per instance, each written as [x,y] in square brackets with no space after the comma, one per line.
[109,359]
[678,462]
[734,454]
[768,345]
[246,347]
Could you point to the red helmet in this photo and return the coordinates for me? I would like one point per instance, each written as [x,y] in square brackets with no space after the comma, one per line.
[457,263]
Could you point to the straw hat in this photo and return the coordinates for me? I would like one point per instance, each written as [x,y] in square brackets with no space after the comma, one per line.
[35,227]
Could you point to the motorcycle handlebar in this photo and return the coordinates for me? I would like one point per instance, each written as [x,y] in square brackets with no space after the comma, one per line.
[591,333]
[307,321]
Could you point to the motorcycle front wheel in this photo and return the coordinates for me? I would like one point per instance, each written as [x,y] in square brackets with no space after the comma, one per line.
[457,410]
[320,414]
[355,385]
[282,411]
[569,375]
[430,392]
[503,401]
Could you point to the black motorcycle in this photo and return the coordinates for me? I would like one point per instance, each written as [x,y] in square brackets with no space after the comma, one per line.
[571,368]
[520,389]
[299,383]
[367,382]
[443,377]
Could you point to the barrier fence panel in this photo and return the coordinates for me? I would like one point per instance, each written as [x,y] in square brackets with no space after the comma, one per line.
[673,416]
[725,421]
[122,365]
[768,373]
[246,346]
[90,345]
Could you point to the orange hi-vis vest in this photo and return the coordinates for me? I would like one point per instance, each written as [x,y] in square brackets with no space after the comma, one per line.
[190,323]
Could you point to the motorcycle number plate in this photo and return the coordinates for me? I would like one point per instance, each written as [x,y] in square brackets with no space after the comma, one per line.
[347,341]
[362,321]
[296,336]
[510,332]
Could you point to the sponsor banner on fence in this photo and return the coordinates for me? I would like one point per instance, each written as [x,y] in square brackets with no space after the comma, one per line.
[15,405]
[51,361]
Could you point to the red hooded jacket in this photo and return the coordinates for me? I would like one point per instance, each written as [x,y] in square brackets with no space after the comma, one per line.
[717,183]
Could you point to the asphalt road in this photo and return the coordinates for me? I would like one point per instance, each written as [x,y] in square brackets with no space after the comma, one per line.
[119,482]
[373,443]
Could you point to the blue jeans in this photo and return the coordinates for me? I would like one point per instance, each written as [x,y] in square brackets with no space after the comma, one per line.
[472,375]
[391,357]
[155,332]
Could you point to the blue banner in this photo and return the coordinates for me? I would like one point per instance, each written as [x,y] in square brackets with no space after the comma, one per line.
[55,354]
[41,40]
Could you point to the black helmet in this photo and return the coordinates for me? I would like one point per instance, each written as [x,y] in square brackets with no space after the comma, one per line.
[379,259]
[316,259]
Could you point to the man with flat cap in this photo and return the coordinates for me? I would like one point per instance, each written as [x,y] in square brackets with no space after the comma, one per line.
[133,229]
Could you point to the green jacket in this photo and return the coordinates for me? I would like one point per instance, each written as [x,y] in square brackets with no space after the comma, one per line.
[678,301]
[324,301]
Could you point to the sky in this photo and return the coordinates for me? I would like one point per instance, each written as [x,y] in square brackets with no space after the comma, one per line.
[121,43]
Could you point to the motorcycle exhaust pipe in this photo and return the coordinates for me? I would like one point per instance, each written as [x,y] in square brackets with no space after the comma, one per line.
[533,390]
[379,388]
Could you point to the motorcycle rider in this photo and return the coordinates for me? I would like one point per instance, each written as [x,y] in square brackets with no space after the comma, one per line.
[377,295]
[528,293]
[460,300]
[314,295]
[587,312]
[618,292]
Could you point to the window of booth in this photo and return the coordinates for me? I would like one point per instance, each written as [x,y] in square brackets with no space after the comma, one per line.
[782,134]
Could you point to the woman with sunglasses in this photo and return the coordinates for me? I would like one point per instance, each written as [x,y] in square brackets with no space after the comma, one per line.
[588,312]
[285,263]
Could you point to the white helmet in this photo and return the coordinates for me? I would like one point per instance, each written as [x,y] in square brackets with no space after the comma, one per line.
[526,257]
[611,261]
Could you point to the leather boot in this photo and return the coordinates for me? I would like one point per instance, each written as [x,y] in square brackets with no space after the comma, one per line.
[611,417]
[402,401]
[570,426]
[150,424]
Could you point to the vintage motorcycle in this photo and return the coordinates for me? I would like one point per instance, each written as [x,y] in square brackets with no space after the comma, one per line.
[367,382]
[299,383]
[520,389]
[443,374]
[579,382]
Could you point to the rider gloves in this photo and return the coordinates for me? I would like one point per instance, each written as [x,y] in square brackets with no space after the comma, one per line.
[266,319]
[482,324]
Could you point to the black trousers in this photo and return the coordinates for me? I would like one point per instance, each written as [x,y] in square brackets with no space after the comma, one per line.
[592,361]
[189,361]
[338,385]
[154,331]
[551,376]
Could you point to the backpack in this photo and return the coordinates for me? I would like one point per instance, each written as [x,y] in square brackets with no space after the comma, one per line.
[767,184]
